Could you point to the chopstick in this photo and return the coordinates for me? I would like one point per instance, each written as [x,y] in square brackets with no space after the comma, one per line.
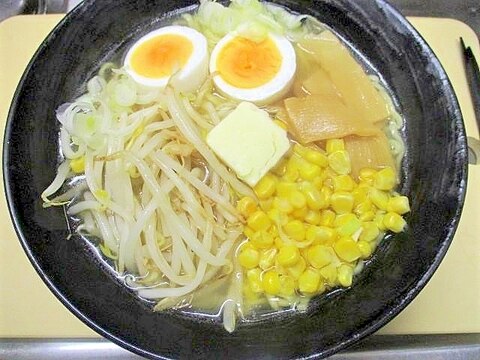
[473,77]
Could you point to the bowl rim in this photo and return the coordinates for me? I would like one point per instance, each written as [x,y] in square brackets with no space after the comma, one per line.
[374,324]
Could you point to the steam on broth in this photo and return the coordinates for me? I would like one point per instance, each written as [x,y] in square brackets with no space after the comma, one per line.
[238,162]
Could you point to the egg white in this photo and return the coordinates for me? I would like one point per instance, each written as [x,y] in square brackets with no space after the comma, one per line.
[191,75]
[268,92]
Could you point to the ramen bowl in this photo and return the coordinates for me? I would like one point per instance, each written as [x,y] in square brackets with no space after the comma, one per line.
[433,175]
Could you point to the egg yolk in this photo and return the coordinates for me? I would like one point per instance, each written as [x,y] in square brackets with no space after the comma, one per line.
[161,56]
[247,64]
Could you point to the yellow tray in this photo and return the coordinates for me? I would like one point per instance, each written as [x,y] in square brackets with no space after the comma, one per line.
[450,303]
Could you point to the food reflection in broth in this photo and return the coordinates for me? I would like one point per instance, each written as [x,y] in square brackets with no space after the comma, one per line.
[234,165]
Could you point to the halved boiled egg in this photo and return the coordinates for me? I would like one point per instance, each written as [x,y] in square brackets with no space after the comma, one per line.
[175,54]
[259,72]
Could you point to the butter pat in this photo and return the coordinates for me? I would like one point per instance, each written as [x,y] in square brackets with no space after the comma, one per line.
[249,142]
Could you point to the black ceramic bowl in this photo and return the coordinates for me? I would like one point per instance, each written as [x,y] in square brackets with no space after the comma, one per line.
[433,176]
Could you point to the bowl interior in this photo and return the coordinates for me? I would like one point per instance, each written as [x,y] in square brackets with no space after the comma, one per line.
[433,176]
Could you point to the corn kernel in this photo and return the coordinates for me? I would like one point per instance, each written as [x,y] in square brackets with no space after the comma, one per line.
[360,195]
[78,165]
[274,230]
[267,259]
[378,220]
[385,179]
[365,249]
[255,288]
[296,270]
[321,235]
[247,245]
[290,175]
[327,218]
[266,204]
[367,216]
[295,229]
[280,124]
[299,149]
[350,226]
[347,249]
[335,145]
[399,205]
[246,206]
[312,217]
[329,273]
[342,202]
[309,281]
[316,157]
[342,219]
[379,198]
[297,199]
[365,183]
[309,171]
[370,232]
[259,221]
[315,199]
[394,222]
[254,274]
[328,183]
[254,280]
[345,275]
[339,161]
[249,232]
[277,216]
[300,213]
[249,258]
[295,162]
[265,188]
[318,182]
[367,174]
[262,239]
[279,242]
[287,285]
[311,234]
[343,183]
[363,207]
[321,286]
[271,282]
[319,256]
[329,173]
[327,194]
[288,255]
[284,189]
[282,204]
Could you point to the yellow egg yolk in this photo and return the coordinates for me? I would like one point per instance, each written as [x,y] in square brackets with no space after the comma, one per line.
[161,55]
[247,64]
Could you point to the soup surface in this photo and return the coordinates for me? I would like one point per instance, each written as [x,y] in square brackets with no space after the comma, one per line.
[236,163]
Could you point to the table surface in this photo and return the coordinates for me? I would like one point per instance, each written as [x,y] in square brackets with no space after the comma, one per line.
[467,11]
[449,303]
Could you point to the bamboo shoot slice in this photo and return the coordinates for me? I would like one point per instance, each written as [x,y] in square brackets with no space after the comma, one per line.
[314,118]
[369,152]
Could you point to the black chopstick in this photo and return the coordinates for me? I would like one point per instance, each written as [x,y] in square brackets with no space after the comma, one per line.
[473,77]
